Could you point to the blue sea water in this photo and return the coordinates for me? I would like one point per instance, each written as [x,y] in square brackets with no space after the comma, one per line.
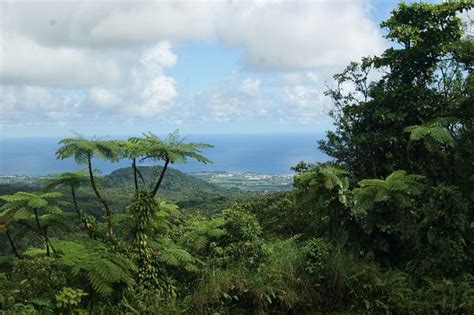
[268,154]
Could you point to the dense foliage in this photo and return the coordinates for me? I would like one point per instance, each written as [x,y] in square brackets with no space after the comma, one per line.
[386,227]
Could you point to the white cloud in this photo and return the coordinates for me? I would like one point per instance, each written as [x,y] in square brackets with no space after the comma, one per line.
[159,57]
[301,96]
[147,92]
[103,97]
[157,96]
[300,34]
[228,105]
[284,34]
[23,61]
[101,58]
[33,103]
[155,91]
[302,103]
[304,78]
[250,86]
[297,97]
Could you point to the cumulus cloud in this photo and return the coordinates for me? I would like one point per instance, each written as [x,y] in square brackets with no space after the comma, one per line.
[23,61]
[229,103]
[300,34]
[250,86]
[302,103]
[111,58]
[297,96]
[104,98]
[33,103]
[274,34]
[147,92]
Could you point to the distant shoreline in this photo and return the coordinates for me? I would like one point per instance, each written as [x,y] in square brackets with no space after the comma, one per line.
[250,181]
[263,154]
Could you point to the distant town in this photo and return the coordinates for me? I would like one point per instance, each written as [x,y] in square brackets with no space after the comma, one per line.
[247,180]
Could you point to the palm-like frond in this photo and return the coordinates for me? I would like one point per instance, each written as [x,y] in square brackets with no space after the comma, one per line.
[398,187]
[172,254]
[6,217]
[30,200]
[173,148]
[82,149]
[132,148]
[102,267]
[434,133]
[22,204]
[203,232]
[68,179]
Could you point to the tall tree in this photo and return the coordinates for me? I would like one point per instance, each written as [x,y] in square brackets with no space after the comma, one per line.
[173,149]
[424,76]
[83,151]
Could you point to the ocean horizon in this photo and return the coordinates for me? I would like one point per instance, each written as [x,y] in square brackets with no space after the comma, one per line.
[259,153]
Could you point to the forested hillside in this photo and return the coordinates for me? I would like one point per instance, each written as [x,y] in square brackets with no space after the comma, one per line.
[385,227]
[186,191]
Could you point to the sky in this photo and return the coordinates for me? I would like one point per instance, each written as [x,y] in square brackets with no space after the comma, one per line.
[204,67]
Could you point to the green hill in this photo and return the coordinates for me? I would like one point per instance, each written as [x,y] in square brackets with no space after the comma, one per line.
[174,180]
[188,192]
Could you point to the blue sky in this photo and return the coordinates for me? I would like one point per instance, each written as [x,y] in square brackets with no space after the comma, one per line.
[120,68]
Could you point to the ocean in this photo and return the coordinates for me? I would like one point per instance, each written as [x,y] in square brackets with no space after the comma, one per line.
[266,154]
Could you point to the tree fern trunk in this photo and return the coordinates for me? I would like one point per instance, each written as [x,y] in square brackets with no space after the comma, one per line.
[141,176]
[47,239]
[135,178]
[41,231]
[107,217]
[12,245]
[162,175]
[76,206]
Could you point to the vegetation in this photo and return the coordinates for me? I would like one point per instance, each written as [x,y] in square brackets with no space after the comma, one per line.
[386,227]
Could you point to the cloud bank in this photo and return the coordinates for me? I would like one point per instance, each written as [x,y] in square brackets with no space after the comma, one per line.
[82,59]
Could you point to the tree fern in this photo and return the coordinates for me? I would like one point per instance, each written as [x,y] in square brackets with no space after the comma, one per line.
[397,187]
[434,134]
[174,255]
[103,268]
[201,233]
[173,149]
[83,151]
[72,181]
[36,203]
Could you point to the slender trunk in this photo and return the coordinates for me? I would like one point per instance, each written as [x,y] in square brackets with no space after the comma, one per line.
[76,206]
[47,239]
[162,175]
[107,218]
[135,179]
[12,245]
[141,176]
[41,231]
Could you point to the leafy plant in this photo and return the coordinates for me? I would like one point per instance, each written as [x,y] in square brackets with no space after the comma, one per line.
[69,298]
[25,205]
[106,270]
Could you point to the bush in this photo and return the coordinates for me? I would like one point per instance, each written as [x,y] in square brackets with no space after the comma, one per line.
[317,253]
[442,229]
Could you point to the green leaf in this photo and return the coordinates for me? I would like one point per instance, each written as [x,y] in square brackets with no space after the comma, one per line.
[431,235]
